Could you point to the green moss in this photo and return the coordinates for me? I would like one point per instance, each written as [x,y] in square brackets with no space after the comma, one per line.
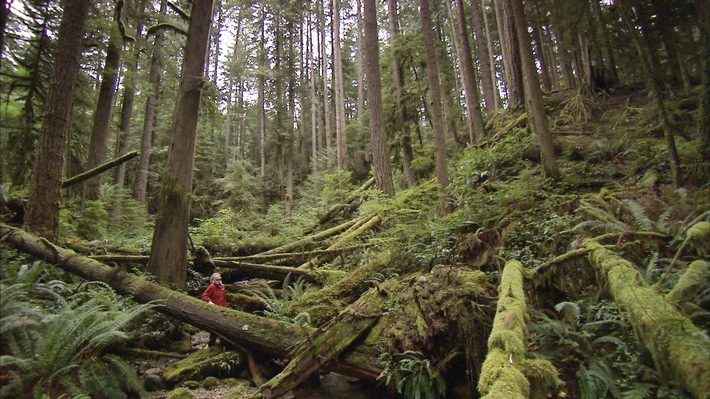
[210,382]
[542,376]
[698,238]
[501,379]
[180,393]
[691,282]
[680,350]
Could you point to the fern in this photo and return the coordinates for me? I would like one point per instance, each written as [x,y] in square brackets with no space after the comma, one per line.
[64,354]
[640,216]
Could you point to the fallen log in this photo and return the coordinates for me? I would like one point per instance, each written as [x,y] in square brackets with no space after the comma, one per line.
[270,272]
[506,372]
[680,350]
[257,333]
[290,258]
[365,223]
[349,205]
[326,344]
[311,238]
[98,170]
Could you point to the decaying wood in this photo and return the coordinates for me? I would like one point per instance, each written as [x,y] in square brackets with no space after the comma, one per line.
[137,259]
[350,204]
[270,272]
[503,374]
[290,258]
[257,333]
[363,224]
[98,170]
[311,238]
[326,344]
[680,350]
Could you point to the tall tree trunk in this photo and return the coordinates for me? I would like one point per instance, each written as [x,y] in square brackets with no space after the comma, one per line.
[360,66]
[476,128]
[488,81]
[653,80]
[261,87]
[402,113]
[383,171]
[491,60]
[442,174]
[129,94]
[45,191]
[542,59]
[98,145]
[533,94]
[310,57]
[168,255]
[326,90]
[704,109]
[140,186]
[339,89]
[511,57]
[609,60]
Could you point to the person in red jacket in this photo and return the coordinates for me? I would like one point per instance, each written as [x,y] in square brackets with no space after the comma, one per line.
[215,294]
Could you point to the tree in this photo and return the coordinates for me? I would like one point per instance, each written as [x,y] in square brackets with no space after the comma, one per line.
[140,186]
[98,146]
[45,190]
[704,109]
[169,247]
[489,84]
[338,83]
[402,114]
[511,57]
[442,174]
[383,171]
[533,94]
[468,74]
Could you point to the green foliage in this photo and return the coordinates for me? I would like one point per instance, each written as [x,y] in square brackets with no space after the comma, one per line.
[277,306]
[66,351]
[412,375]
[239,186]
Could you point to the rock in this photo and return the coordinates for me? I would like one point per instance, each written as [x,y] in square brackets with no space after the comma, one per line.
[180,393]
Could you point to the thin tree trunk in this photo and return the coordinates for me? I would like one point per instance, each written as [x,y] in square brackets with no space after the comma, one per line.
[339,89]
[168,256]
[140,186]
[511,57]
[360,66]
[485,62]
[442,174]
[534,104]
[383,171]
[607,50]
[477,130]
[261,87]
[402,113]
[326,97]
[45,191]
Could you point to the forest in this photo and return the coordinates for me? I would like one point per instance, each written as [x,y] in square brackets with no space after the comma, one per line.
[404,199]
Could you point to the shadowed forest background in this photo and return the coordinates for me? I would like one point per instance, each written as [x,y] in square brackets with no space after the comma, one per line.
[433,199]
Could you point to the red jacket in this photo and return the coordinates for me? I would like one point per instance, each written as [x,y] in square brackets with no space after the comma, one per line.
[217,295]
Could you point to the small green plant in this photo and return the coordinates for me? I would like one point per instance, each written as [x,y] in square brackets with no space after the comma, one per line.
[412,375]
[65,353]
[277,306]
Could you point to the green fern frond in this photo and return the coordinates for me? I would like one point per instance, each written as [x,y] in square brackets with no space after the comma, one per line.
[639,214]
[607,218]
[611,340]
[639,390]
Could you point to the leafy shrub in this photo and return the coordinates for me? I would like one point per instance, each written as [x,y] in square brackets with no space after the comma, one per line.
[412,375]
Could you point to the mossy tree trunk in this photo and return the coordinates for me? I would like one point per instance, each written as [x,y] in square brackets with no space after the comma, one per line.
[680,350]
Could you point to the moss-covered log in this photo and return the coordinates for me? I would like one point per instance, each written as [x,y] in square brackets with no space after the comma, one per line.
[238,270]
[680,350]
[364,224]
[327,343]
[256,333]
[504,371]
[308,240]
[695,277]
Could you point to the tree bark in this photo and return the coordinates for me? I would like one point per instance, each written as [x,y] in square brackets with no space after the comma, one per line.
[99,169]
[483,47]
[476,129]
[380,158]
[534,103]
[511,56]
[402,112]
[168,257]
[339,86]
[140,186]
[45,190]
[442,174]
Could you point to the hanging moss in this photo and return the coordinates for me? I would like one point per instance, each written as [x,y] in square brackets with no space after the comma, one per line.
[691,282]
[680,350]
